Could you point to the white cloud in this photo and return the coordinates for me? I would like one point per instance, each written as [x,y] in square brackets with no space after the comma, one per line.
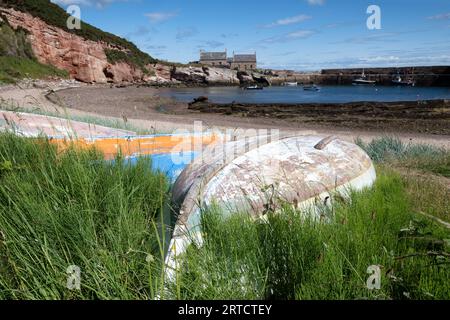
[379,59]
[442,16]
[158,17]
[289,20]
[295,35]
[184,33]
[316,2]
[97,3]
[300,34]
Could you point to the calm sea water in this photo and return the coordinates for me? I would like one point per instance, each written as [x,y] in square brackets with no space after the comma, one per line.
[327,94]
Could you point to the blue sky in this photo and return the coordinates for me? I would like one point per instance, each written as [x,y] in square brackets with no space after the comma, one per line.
[286,34]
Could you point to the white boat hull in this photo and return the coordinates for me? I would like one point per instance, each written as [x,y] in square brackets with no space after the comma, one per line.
[295,170]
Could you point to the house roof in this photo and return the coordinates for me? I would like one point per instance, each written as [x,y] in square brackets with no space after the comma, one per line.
[244,58]
[208,56]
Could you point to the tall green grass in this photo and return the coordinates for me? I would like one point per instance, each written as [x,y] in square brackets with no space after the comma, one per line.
[414,156]
[74,208]
[290,257]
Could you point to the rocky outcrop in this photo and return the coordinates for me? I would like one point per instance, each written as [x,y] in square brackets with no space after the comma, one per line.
[160,74]
[221,76]
[189,75]
[85,60]
[432,116]
[244,77]
[123,72]
[216,76]
[205,76]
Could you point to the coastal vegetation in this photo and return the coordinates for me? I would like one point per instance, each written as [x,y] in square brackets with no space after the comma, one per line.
[136,59]
[59,209]
[13,69]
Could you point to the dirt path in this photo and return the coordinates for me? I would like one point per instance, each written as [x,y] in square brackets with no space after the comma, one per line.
[143,108]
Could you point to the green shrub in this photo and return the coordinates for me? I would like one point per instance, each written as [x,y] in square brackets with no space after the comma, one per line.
[14,42]
[138,60]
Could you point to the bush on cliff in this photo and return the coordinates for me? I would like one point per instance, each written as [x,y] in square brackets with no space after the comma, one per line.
[17,60]
[14,42]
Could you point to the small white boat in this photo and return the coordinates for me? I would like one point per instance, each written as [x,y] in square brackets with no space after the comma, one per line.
[291,84]
[363,80]
[255,87]
[312,87]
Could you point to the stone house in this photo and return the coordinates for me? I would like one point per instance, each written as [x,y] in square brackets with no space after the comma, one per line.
[244,62]
[215,59]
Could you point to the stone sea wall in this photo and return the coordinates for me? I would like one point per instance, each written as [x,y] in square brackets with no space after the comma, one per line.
[424,76]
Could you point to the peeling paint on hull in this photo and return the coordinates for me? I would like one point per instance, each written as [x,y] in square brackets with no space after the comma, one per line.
[262,176]
[33,125]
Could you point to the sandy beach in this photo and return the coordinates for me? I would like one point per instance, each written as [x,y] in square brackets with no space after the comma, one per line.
[145,109]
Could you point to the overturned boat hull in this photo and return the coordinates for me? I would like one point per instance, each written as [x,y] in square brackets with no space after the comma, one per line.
[247,176]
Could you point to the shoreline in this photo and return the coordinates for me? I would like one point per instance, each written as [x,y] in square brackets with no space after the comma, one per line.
[424,116]
[143,108]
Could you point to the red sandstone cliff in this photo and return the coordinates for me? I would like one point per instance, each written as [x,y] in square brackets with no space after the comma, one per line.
[85,60]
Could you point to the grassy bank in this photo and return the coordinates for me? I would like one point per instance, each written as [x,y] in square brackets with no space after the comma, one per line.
[13,69]
[58,210]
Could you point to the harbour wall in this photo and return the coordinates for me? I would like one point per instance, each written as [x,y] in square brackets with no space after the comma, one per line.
[423,76]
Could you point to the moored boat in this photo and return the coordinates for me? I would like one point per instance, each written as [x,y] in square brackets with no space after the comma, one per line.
[255,87]
[311,87]
[398,81]
[363,80]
